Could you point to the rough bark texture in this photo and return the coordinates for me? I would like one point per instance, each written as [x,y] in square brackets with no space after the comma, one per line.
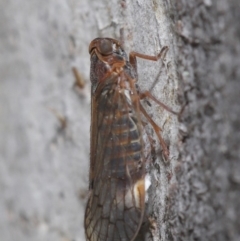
[45,121]
[208,192]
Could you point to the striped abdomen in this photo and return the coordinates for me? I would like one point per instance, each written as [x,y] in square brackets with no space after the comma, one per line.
[121,137]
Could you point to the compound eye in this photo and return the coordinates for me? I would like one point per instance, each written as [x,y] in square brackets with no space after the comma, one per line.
[105,47]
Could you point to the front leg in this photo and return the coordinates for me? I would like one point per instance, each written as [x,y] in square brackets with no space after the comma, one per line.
[133,57]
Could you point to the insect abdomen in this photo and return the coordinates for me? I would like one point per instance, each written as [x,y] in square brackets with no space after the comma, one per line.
[123,150]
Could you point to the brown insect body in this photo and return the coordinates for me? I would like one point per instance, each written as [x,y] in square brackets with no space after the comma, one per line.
[116,204]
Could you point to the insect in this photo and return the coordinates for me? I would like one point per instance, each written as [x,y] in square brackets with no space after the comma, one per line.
[119,149]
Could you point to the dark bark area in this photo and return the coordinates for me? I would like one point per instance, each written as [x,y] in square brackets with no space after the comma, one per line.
[44,121]
[206,205]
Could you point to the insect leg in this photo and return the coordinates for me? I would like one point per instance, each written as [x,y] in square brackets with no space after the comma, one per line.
[133,57]
[157,130]
[145,94]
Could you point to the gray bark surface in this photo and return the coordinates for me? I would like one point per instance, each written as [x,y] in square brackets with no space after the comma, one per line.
[45,120]
[208,184]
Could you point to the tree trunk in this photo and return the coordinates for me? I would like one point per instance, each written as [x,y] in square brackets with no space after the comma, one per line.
[206,204]
[45,118]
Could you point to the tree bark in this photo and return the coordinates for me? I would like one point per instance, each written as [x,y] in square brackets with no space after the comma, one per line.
[206,204]
[45,118]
